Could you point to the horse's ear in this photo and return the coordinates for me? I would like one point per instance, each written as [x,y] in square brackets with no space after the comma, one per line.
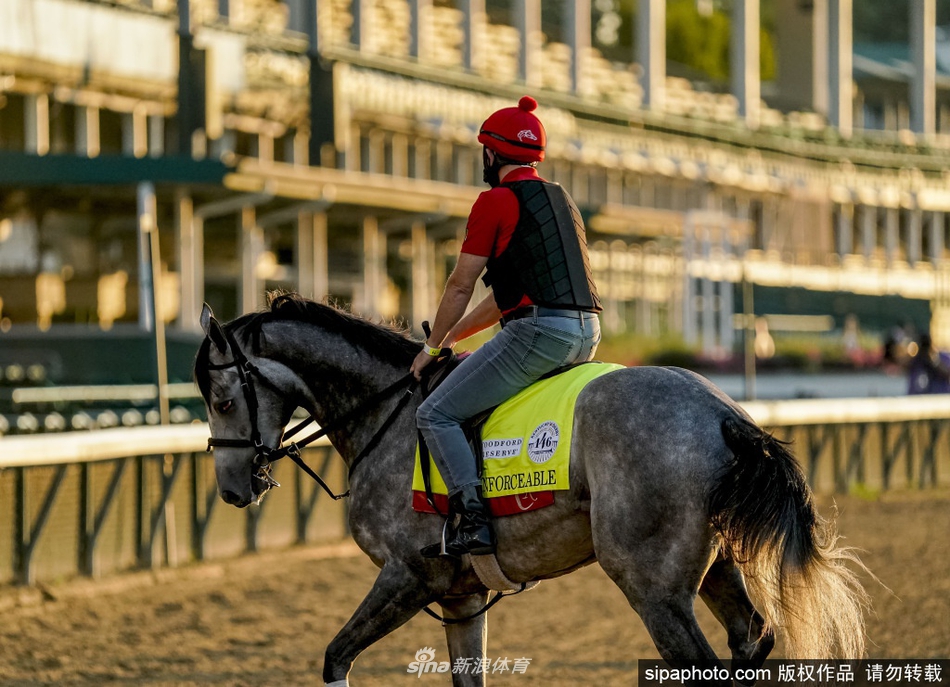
[212,328]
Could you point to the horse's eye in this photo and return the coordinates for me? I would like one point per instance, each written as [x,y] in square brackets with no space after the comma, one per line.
[225,407]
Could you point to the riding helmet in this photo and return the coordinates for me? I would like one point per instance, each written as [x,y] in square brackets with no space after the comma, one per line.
[515,133]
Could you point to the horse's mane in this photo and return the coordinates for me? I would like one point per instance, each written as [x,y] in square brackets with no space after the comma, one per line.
[388,342]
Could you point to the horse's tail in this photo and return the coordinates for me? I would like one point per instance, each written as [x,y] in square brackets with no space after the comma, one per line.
[762,506]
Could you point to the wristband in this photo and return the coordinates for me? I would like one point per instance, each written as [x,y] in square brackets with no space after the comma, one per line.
[430,350]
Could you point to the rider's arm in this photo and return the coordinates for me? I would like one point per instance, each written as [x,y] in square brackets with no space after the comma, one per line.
[455,299]
[482,316]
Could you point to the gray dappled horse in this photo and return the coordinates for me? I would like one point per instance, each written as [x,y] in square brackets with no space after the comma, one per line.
[674,492]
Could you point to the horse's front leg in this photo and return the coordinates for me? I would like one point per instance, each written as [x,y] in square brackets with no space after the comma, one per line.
[395,598]
[468,640]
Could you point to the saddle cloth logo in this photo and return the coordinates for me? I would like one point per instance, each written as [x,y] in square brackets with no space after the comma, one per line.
[526,446]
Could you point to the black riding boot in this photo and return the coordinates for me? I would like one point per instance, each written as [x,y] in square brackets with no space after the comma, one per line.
[474,533]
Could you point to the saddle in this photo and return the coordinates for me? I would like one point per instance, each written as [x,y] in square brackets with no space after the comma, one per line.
[486,567]
[432,377]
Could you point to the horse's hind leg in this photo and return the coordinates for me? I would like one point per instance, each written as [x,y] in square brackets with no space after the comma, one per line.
[468,639]
[659,567]
[725,594]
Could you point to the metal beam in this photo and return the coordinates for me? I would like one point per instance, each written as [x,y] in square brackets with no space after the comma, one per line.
[744,51]
[473,19]
[527,19]
[923,44]
[292,212]
[420,34]
[228,206]
[576,22]
[840,80]
[651,51]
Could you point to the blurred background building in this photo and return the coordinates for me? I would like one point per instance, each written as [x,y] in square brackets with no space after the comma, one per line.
[155,154]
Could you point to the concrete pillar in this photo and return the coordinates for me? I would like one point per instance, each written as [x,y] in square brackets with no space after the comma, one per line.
[845,230]
[147,223]
[400,148]
[474,18]
[868,231]
[744,51]
[527,19]
[840,81]
[745,240]
[156,136]
[891,233]
[423,293]
[708,291]
[689,298]
[915,224]
[923,43]
[363,29]
[651,51]
[87,131]
[265,147]
[422,158]
[36,123]
[937,243]
[576,19]
[801,29]
[189,234]
[727,332]
[374,264]
[312,255]
[252,245]
[128,134]
[420,36]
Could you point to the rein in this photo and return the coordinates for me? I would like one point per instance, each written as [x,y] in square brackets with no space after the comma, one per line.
[265,455]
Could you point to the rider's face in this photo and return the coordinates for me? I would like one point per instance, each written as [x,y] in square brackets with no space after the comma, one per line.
[489,167]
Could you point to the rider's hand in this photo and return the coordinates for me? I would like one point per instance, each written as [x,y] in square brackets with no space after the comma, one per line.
[422,359]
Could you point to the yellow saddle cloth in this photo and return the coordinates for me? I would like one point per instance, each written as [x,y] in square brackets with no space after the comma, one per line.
[526,444]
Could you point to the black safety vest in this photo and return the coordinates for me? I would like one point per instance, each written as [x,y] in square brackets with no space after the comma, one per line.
[546,258]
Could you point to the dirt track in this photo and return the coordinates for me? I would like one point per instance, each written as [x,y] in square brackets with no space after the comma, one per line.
[266,620]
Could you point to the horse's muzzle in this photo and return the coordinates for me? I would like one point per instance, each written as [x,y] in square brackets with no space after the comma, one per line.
[233,499]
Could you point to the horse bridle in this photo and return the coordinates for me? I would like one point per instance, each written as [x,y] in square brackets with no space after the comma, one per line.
[264,455]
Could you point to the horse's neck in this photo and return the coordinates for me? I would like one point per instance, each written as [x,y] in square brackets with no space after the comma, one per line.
[341,378]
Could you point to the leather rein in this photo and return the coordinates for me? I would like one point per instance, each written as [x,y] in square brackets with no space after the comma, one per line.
[264,455]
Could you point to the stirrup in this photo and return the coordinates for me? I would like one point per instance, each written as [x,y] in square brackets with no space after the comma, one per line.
[437,550]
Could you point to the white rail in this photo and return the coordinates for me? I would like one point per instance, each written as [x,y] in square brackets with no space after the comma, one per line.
[842,411]
[107,444]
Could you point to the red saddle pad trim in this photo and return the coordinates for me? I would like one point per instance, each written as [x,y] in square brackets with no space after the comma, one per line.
[500,505]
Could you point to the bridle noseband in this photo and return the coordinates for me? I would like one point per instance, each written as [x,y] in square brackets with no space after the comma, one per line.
[264,455]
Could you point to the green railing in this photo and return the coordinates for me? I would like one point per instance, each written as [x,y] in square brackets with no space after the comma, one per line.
[93,503]
[108,501]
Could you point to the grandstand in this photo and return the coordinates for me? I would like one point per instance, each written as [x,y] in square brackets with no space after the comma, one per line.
[329,146]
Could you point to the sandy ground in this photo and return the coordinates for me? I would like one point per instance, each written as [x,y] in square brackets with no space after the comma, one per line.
[266,620]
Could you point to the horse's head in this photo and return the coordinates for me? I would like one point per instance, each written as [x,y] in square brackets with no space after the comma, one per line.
[250,399]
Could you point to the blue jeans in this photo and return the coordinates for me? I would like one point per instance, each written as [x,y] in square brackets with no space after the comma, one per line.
[524,351]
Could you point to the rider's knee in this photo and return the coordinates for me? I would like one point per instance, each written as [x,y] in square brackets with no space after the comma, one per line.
[426,414]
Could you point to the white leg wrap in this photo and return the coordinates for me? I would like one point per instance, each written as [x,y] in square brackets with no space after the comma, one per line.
[338,683]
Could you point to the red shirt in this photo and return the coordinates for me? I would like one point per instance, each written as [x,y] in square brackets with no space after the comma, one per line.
[493,219]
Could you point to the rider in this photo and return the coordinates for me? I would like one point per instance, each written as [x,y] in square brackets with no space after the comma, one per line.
[530,236]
